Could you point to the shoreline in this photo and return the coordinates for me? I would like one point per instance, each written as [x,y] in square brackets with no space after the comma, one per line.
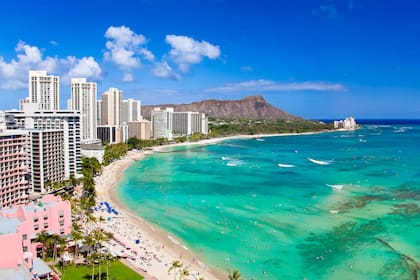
[156,241]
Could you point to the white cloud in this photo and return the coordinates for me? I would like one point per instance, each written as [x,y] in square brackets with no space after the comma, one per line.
[186,51]
[147,54]
[128,77]
[164,71]
[14,73]
[268,85]
[85,67]
[124,48]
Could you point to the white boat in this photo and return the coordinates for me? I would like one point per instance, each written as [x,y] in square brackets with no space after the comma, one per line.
[285,165]
[320,162]
[260,139]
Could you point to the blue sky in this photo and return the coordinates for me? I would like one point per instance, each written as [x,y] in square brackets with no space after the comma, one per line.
[316,59]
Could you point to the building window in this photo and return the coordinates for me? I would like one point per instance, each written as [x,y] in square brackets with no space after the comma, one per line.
[61,213]
[24,237]
[45,217]
[61,223]
[61,230]
[36,227]
[25,249]
[45,225]
[35,219]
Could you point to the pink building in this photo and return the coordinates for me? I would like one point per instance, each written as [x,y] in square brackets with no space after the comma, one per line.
[19,226]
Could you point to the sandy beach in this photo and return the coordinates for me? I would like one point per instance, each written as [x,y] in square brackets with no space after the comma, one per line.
[150,250]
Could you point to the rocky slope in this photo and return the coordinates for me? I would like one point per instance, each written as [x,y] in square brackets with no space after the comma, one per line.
[251,107]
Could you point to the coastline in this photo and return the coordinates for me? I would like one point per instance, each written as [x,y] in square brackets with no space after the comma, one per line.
[164,248]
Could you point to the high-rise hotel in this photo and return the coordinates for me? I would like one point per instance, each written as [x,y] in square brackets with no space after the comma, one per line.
[44,91]
[83,99]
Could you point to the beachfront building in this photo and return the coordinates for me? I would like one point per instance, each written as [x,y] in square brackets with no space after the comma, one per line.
[14,165]
[162,123]
[130,110]
[109,134]
[47,158]
[139,129]
[189,123]
[111,107]
[20,225]
[44,90]
[68,122]
[348,123]
[169,124]
[83,100]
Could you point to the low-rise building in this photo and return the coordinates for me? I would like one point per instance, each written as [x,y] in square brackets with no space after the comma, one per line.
[20,225]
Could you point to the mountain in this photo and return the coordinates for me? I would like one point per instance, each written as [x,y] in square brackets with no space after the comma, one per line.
[250,107]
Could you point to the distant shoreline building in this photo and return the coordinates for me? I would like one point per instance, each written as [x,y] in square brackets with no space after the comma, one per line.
[348,123]
[169,124]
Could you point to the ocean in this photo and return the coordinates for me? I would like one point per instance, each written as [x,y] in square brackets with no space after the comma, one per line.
[336,205]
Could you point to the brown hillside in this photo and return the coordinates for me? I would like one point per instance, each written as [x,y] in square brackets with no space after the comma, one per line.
[251,107]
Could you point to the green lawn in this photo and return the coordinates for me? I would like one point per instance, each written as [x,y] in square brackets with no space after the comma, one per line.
[117,271]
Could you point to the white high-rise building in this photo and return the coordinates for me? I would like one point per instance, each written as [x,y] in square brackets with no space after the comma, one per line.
[111,107]
[83,99]
[44,90]
[168,124]
[99,112]
[67,122]
[162,123]
[130,110]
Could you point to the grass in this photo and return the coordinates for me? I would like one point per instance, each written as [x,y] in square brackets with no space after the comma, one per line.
[117,271]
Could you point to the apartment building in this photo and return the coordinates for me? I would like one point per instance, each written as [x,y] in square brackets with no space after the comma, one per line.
[20,225]
[44,90]
[83,100]
[14,165]
[66,121]
[111,107]
[130,110]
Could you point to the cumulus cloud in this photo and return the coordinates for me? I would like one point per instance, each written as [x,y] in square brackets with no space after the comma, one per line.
[164,71]
[187,51]
[14,73]
[84,67]
[268,85]
[125,48]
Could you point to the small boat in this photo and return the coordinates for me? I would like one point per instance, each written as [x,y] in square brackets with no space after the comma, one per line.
[260,139]
[320,162]
[285,165]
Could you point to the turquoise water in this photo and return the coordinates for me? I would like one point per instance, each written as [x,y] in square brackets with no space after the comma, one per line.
[236,208]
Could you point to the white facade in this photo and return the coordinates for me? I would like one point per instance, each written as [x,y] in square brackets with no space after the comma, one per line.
[83,99]
[169,124]
[162,123]
[130,110]
[44,90]
[111,107]
[66,121]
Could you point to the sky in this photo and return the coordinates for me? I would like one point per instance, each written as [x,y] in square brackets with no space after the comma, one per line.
[318,59]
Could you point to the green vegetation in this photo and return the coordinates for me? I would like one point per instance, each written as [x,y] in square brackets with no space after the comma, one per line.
[226,127]
[234,275]
[114,152]
[90,168]
[117,270]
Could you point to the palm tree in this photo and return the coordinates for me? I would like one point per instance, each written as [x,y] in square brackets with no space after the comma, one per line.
[92,258]
[42,237]
[175,265]
[184,273]
[108,258]
[235,275]
[77,235]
